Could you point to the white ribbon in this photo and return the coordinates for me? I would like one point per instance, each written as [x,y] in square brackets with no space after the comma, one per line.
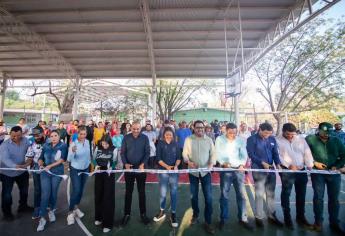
[182,171]
[64,177]
[214,169]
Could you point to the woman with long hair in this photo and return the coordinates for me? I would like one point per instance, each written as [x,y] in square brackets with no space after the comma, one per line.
[169,158]
[105,159]
[79,156]
[53,155]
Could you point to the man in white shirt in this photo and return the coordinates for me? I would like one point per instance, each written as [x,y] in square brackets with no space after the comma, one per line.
[244,132]
[295,154]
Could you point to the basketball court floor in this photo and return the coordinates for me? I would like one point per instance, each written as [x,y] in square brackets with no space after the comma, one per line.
[24,225]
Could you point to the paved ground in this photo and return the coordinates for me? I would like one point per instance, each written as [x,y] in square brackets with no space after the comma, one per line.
[23,225]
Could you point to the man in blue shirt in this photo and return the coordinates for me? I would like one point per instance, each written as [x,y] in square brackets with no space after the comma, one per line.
[135,153]
[263,151]
[182,133]
[12,155]
[339,133]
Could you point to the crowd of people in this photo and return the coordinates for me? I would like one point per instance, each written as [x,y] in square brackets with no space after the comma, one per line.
[168,146]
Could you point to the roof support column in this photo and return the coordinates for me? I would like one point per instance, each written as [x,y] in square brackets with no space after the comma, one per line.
[76,99]
[145,13]
[2,93]
[154,100]
[242,70]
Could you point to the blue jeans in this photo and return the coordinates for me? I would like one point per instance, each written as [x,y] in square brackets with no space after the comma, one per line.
[207,191]
[50,184]
[237,179]
[319,181]
[264,183]
[171,180]
[300,181]
[37,189]
[78,184]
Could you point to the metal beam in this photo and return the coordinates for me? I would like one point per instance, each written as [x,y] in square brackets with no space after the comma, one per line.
[3,87]
[43,13]
[145,13]
[79,25]
[17,30]
[285,28]
[113,86]
[99,50]
[76,99]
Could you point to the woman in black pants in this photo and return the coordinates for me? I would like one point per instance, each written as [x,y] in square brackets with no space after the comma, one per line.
[105,158]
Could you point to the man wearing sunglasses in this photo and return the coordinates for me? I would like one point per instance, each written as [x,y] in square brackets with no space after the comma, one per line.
[329,154]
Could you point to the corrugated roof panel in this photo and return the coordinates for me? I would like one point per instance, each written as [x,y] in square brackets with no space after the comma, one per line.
[107,38]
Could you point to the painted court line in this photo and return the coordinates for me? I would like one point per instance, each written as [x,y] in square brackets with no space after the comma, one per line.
[79,222]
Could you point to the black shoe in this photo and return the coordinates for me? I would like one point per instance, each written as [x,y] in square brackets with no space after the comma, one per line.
[288,222]
[209,229]
[25,208]
[173,220]
[274,220]
[303,222]
[336,228]
[125,220]
[246,225]
[145,219]
[160,216]
[259,222]
[194,220]
[221,224]
[8,217]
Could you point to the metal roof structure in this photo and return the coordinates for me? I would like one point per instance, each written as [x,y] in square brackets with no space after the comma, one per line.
[142,39]
[49,39]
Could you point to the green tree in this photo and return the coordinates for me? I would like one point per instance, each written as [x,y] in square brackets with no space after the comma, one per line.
[315,117]
[12,95]
[305,71]
[172,96]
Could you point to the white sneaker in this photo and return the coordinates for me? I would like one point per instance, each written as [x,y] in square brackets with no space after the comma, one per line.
[41,224]
[106,230]
[70,219]
[51,216]
[98,222]
[78,213]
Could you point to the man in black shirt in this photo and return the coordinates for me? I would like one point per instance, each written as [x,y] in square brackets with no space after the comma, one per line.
[135,152]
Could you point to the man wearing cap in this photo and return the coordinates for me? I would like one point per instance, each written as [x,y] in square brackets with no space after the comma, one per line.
[329,154]
[339,133]
[12,155]
[34,152]
[294,154]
